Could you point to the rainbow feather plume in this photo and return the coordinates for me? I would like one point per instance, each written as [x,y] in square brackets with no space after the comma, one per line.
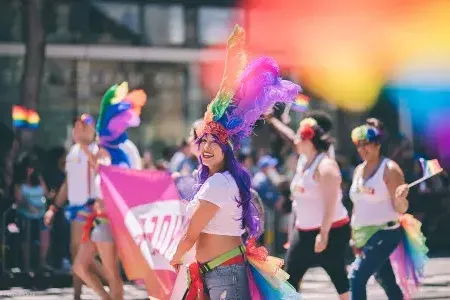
[247,91]
[119,111]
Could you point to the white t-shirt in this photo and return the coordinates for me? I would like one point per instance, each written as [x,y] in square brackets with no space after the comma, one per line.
[80,177]
[221,189]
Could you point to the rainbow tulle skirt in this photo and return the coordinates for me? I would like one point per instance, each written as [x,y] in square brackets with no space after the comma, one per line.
[267,281]
[266,278]
[409,258]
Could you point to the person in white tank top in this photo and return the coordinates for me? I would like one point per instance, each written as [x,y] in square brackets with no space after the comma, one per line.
[322,231]
[379,195]
[78,188]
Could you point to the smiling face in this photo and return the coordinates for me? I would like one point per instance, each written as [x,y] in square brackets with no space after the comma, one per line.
[211,153]
[368,151]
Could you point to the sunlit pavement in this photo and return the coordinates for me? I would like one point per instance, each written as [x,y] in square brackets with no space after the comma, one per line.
[436,285]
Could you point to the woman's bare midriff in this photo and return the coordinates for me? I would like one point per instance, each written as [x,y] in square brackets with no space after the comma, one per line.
[210,246]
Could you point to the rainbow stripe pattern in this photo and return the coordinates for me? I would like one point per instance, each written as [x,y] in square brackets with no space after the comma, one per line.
[24,117]
[266,278]
[301,103]
[430,167]
[409,258]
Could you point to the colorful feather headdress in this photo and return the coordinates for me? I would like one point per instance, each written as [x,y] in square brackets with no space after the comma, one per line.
[119,110]
[247,91]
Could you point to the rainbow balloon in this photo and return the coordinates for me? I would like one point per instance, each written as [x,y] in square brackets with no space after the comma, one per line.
[300,104]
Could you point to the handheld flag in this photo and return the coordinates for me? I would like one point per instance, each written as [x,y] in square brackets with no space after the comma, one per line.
[146,216]
[301,103]
[24,117]
[430,168]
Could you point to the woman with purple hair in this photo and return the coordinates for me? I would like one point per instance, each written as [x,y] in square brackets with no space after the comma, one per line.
[221,211]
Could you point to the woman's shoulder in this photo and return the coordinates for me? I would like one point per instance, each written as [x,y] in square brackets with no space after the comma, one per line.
[391,168]
[220,179]
[328,165]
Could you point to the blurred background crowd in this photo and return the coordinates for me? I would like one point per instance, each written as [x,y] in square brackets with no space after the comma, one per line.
[385,59]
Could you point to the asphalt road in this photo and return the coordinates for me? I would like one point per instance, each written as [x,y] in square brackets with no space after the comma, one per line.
[436,285]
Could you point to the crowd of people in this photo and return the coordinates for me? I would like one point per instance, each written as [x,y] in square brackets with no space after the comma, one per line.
[31,180]
[313,205]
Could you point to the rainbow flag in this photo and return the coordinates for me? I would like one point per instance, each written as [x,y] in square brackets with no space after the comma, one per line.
[301,104]
[33,119]
[19,116]
[24,117]
[147,218]
[430,167]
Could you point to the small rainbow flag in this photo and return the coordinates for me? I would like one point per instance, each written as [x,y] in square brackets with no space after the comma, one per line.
[301,104]
[19,116]
[24,117]
[33,119]
[430,167]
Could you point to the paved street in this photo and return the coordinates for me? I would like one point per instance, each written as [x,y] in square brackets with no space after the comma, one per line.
[436,285]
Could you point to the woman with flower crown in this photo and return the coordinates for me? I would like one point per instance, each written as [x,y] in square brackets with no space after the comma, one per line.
[322,230]
[228,267]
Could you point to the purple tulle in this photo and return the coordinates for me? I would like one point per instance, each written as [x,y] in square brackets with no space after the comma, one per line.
[259,87]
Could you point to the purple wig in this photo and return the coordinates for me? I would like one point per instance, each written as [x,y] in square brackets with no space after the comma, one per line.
[250,216]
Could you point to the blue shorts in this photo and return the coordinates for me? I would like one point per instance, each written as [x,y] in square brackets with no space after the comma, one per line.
[79,213]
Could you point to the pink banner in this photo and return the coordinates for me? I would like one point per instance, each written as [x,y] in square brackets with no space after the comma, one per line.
[147,217]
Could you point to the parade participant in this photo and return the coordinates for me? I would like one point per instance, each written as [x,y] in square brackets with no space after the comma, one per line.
[78,189]
[221,209]
[379,227]
[30,194]
[119,111]
[321,230]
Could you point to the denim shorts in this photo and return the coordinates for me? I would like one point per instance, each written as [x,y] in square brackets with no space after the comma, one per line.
[227,282]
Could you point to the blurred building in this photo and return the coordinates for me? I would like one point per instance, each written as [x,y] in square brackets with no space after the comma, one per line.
[154,45]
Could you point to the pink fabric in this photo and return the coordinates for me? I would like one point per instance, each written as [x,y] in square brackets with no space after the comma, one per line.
[254,291]
[146,216]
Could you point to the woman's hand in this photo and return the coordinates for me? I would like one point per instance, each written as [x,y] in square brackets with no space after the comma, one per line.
[321,242]
[401,192]
[400,201]
[176,263]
